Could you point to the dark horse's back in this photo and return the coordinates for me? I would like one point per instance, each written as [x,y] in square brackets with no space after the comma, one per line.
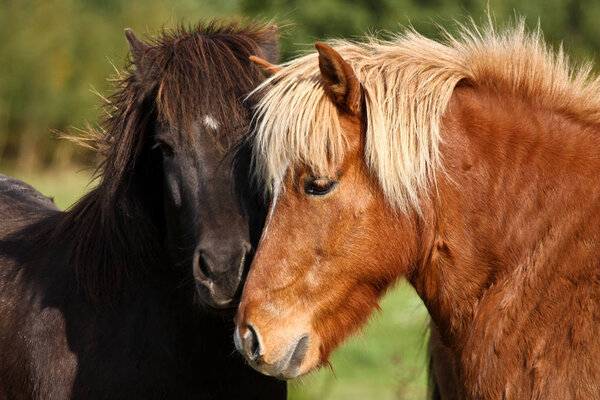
[35,285]
[17,199]
[22,208]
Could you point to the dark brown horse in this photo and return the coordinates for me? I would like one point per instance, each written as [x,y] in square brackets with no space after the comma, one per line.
[470,168]
[112,299]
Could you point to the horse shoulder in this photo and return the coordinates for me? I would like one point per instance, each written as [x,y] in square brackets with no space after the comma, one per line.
[521,229]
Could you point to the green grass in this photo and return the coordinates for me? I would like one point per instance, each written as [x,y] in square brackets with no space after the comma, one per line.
[386,361]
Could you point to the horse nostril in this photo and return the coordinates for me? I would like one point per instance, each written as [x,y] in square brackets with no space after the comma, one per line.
[299,353]
[252,344]
[202,267]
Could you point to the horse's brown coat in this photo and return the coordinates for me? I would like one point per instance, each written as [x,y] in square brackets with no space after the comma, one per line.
[511,275]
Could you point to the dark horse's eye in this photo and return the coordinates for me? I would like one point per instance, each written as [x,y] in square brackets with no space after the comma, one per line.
[318,186]
[164,148]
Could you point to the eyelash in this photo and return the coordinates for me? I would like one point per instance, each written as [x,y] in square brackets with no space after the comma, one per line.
[318,186]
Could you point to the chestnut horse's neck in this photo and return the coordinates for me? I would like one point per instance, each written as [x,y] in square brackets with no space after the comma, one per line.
[510,272]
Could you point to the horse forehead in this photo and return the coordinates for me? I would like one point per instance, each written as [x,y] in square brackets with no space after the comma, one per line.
[203,132]
[209,146]
[352,126]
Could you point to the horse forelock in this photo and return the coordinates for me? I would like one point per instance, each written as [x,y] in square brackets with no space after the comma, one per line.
[408,82]
[210,69]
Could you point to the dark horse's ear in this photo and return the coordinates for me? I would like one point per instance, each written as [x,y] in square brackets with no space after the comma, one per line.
[137,47]
[270,45]
[339,80]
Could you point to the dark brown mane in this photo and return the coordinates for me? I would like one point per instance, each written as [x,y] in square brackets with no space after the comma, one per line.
[185,73]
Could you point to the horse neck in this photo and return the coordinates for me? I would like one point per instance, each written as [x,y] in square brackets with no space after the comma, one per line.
[113,239]
[516,214]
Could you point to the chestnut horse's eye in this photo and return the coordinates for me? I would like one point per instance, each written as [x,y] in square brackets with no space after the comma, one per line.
[317,186]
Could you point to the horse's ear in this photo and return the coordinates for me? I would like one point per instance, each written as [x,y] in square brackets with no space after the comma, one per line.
[270,45]
[266,67]
[339,80]
[137,47]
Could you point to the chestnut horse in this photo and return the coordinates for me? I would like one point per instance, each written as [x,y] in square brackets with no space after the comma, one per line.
[470,168]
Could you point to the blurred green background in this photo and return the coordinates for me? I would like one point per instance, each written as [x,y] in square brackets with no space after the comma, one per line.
[56,57]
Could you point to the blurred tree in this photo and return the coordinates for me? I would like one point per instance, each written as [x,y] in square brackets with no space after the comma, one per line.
[54,56]
[570,21]
[54,53]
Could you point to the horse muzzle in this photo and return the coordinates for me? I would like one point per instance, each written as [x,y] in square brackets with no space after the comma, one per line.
[218,275]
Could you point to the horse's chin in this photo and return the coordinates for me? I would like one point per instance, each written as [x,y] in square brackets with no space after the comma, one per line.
[216,306]
[286,372]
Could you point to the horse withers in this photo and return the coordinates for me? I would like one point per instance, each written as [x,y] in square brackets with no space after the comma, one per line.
[469,167]
[115,298]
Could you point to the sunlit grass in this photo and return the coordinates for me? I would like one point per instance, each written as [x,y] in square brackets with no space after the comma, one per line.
[386,361]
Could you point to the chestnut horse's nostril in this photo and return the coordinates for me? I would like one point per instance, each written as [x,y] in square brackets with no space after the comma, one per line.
[252,344]
[297,357]
[286,365]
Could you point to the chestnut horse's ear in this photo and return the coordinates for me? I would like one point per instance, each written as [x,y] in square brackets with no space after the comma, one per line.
[339,80]
[137,48]
[270,46]
[266,67]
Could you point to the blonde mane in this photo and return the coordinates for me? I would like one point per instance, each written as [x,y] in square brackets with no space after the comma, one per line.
[408,82]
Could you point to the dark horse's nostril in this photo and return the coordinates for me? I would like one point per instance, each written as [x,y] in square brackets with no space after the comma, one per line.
[253,344]
[203,267]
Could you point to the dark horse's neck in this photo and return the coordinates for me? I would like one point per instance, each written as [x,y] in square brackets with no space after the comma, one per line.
[113,237]
[514,243]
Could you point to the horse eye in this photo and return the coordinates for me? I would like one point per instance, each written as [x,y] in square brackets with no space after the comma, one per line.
[316,186]
[164,148]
